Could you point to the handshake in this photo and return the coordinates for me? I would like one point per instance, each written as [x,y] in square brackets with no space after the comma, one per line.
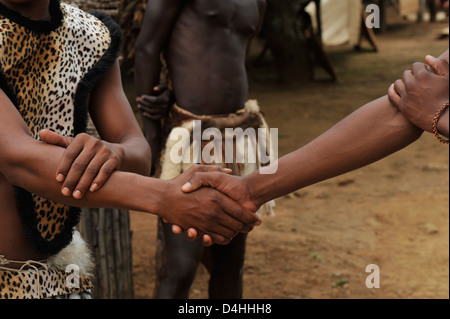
[204,201]
[226,204]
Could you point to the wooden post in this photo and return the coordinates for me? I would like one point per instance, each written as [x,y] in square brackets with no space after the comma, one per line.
[107,231]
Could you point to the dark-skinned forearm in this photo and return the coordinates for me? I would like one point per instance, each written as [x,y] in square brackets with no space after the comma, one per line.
[373,132]
[135,157]
[33,167]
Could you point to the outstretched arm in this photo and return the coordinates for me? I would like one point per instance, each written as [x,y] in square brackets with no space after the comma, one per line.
[369,134]
[372,132]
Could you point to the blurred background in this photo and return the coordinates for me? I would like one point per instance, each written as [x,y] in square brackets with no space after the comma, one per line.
[314,63]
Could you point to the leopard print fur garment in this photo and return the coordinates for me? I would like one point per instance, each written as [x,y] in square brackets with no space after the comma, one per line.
[48,69]
[41,283]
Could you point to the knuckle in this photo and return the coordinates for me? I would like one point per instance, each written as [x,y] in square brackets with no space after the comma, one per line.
[215,198]
[114,157]
[92,170]
[79,165]
[82,136]
[442,63]
[404,76]
[69,153]
[242,228]
[199,177]
[421,72]
[107,170]
[238,212]
[442,66]
[191,169]
[212,212]
[96,143]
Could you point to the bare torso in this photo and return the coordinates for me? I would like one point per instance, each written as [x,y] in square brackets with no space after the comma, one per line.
[14,244]
[206,54]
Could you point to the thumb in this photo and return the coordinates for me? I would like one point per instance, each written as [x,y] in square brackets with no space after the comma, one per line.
[199,180]
[161,87]
[54,138]
[440,66]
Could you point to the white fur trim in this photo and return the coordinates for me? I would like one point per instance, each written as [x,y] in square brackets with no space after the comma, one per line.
[76,253]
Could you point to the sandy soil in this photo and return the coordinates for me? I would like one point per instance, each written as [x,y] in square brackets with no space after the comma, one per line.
[393,213]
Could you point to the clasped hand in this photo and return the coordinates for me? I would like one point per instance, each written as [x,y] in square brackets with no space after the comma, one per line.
[422,91]
[234,187]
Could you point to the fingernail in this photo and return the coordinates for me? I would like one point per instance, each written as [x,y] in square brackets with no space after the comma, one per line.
[77,194]
[66,191]
[93,187]
[60,178]
[186,186]
[190,235]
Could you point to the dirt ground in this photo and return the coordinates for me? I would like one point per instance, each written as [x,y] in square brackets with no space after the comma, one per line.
[393,213]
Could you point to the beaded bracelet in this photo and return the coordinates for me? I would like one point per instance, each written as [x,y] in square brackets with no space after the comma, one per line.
[436,121]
